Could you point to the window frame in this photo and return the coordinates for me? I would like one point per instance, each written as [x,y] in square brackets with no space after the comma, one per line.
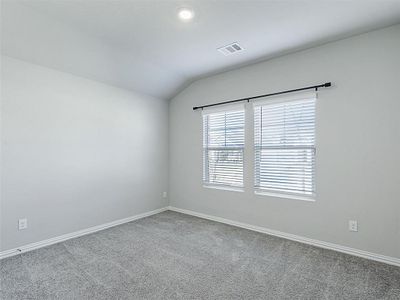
[206,149]
[282,193]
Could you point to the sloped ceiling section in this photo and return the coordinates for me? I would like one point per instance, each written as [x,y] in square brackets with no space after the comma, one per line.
[38,38]
[141,45]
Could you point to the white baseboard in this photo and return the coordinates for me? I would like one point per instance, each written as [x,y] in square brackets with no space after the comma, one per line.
[356,252]
[297,238]
[64,237]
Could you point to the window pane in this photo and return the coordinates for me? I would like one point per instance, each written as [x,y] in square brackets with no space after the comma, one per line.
[290,170]
[225,167]
[284,136]
[223,143]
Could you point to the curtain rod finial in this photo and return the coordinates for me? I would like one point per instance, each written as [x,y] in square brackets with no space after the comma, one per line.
[328,84]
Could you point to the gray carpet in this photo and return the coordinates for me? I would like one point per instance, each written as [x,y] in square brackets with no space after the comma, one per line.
[175,256]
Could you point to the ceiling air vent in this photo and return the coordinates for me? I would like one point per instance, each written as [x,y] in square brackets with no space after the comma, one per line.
[230,49]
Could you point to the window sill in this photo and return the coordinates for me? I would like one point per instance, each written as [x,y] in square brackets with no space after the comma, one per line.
[285,196]
[225,188]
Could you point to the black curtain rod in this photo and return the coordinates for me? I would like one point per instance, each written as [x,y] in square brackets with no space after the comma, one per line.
[326,84]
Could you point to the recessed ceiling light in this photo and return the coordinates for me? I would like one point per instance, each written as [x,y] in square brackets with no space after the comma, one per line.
[185,14]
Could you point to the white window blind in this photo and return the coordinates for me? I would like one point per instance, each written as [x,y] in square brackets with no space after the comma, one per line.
[223,145]
[284,136]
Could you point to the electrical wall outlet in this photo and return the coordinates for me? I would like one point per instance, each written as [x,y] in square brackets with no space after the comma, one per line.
[164,194]
[22,224]
[353,226]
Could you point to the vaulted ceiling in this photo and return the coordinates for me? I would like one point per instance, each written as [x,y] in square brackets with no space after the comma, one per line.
[143,46]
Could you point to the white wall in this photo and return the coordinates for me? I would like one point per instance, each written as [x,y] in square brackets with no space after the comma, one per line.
[358,144]
[76,153]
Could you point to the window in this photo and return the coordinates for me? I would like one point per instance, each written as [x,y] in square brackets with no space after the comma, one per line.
[223,146]
[284,136]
